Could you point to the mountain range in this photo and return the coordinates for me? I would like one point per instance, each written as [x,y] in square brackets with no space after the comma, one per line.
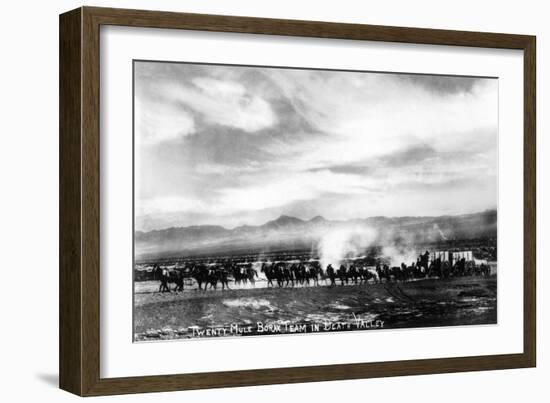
[287,232]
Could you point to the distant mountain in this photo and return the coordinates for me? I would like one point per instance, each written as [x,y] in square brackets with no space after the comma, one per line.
[318,220]
[284,221]
[191,233]
[291,232]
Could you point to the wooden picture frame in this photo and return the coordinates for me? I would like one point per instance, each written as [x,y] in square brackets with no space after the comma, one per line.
[79,280]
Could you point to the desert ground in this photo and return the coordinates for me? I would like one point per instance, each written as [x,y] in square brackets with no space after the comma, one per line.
[249,311]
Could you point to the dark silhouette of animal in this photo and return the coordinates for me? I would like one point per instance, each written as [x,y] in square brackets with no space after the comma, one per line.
[272,272]
[162,275]
[288,276]
[383,273]
[367,275]
[331,275]
[353,273]
[342,274]
[177,278]
[239,274]
[216,275]
[251,275]
[316,273]
[201,275]
[166,277]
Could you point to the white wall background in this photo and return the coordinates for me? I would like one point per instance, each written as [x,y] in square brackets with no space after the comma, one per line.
[29,201]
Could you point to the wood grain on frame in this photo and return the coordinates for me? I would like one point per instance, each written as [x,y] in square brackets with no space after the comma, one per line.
[79,200]
[70,274]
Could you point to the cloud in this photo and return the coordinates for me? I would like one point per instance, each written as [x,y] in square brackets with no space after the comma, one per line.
[230,144]
[286,189]
[162,204]
[227,103]
[158,122]
[442,85]
[409,156]
[174,101]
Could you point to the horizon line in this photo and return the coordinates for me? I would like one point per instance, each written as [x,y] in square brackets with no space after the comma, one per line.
[495,209]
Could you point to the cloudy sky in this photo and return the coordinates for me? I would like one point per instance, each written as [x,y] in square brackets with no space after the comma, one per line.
[232,145]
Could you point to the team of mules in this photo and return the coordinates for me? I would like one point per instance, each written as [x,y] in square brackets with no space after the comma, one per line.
[204,276]
[291,274]
[285,274]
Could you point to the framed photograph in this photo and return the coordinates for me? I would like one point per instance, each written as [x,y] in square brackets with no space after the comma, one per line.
[249,201]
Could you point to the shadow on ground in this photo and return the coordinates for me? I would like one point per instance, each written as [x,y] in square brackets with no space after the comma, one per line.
[49,379]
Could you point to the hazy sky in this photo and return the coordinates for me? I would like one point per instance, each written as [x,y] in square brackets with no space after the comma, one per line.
[231,145]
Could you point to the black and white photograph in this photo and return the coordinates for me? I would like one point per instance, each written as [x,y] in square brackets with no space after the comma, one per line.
[242,201]
[271,200]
